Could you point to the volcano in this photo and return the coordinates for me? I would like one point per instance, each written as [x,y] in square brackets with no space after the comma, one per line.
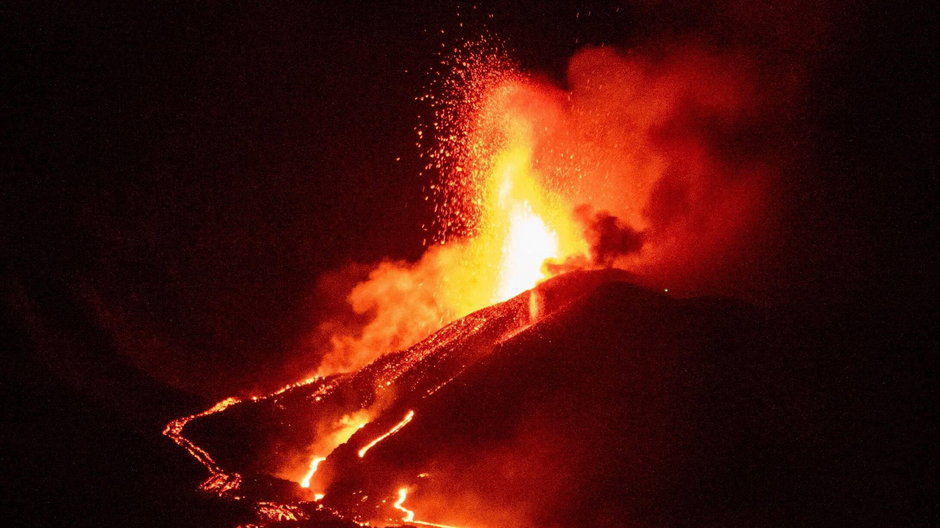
[587,401]
[206,200]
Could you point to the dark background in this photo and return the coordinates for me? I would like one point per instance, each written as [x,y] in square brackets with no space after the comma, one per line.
[176,176]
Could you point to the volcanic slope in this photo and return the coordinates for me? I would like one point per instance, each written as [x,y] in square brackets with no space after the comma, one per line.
[588,401]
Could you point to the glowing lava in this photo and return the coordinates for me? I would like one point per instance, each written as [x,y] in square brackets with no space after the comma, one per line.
[516,159]
[390,432]
[410,515]
[314,464]
[522,225]
[519,223]
[399,505]
[528,241]
[218,481]
[329,437]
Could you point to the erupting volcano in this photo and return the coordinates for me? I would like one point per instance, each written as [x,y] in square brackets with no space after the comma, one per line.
[507,377]
[595,264]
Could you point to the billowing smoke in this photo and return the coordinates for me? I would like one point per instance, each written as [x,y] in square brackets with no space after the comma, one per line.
[609,237]
[678,142]
[668,154]
[391,308]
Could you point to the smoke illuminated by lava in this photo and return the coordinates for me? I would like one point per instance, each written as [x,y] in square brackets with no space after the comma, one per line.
[521,162]
[622,165]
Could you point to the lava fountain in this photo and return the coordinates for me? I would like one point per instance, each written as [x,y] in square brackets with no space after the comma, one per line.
[533,181]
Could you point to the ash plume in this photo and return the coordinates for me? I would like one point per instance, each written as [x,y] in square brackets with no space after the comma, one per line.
[678,146]
[610,237]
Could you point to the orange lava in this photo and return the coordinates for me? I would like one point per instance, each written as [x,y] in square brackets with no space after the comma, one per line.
[402,495]
[218,481]
[390,432]
[516,157]
[305,482]
[410,515]
[279,512]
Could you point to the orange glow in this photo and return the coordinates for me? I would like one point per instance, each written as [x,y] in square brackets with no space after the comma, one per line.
[390,432]
[305,482]
[330,435]
[529,243]
[519,223]
[516,159]
[409,516]
[402,495]
[520,220]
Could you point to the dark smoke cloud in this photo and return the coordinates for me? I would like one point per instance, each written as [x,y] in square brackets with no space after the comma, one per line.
[610,238]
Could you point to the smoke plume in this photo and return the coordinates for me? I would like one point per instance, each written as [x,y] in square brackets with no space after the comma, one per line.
[670,151]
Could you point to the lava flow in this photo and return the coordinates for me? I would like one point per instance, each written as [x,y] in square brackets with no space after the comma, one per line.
[410,515]
[535,182]
[305,482]
[393,430]
[218,481]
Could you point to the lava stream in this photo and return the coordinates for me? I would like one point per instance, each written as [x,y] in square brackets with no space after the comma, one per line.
[305,482]
[393,430]
[409,514]
[218,481]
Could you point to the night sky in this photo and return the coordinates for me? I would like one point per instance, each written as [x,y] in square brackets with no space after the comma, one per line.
[177,176]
